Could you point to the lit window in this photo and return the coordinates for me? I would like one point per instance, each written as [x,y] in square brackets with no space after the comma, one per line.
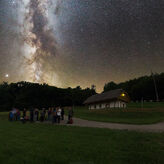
[123,94]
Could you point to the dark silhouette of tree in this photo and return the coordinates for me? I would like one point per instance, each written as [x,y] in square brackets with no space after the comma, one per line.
[110,86]
[93,87]
[142,87]
[26,95]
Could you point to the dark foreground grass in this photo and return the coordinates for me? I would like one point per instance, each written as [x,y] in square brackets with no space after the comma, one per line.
[129,115]
[140,105]
[45,144]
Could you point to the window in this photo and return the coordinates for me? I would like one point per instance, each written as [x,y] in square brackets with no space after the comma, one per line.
[123,95]
[100,106]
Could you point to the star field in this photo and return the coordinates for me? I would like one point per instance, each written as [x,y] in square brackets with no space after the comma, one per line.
[80,42]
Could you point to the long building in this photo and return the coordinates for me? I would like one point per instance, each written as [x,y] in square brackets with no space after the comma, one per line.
[112,99]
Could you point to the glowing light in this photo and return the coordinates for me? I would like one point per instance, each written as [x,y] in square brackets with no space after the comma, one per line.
[7,75]
[123,94]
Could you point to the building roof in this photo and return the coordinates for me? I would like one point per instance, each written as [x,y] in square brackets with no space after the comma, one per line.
[110,95]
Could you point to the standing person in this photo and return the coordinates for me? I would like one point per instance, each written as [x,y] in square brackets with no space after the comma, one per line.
[24,113]
[31,114]
[11,116]
[62,113]
[14,111]
[58,114]
[37,115]
[70,115]
[54,116]
[18,115]
[49,114]
[24,119]
[42,115]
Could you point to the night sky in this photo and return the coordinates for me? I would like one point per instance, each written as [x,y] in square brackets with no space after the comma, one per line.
[67,43]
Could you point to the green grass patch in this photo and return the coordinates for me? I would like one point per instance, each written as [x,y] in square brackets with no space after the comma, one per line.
[45,144]
[3,115]
[145,105]
[131,115]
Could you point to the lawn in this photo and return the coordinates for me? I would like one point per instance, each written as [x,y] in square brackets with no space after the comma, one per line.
[139,105]
[149,114]
[36,143]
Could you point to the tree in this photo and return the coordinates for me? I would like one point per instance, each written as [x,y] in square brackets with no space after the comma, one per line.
[93,87]
[25,94]
[110,86]
[142,87]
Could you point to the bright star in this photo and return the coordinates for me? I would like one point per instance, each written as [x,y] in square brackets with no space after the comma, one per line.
[7,75]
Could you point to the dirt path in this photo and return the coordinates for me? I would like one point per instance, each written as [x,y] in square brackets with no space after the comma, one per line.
[158,127]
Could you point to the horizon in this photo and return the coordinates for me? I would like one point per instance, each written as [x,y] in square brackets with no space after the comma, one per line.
[97,91]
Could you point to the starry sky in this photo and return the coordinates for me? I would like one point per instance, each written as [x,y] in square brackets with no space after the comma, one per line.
[67,43]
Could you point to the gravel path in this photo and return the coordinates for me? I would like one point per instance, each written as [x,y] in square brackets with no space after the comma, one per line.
[158,127]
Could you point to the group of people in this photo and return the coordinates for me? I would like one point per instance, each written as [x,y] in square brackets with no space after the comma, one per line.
[55,115]
[14,115]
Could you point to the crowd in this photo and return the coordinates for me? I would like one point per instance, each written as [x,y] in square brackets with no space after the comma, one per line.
[54,115]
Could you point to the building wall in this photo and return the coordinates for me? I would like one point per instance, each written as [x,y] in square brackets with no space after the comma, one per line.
[123,104]
[97,106]
[113,104]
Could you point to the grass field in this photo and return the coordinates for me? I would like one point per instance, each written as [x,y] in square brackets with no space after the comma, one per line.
[145,105]
[36,143]
[149,114]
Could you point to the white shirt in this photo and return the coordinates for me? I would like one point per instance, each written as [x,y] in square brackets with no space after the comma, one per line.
[59,112]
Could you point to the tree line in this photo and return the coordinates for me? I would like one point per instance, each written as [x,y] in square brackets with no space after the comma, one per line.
[25,95]
[141,88]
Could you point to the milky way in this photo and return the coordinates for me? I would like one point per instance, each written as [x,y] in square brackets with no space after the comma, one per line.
[39,37]
[80,42]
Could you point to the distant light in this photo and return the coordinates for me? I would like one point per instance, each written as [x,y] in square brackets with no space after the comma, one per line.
[7,75]
[123,94]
